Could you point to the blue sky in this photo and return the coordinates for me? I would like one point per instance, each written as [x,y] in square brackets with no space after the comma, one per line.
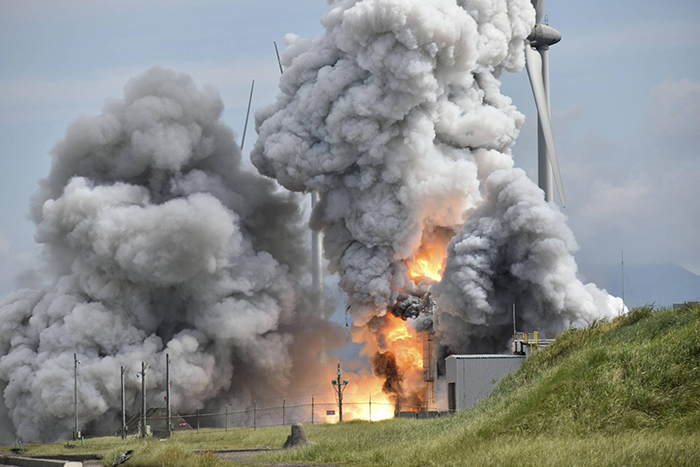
[625,99]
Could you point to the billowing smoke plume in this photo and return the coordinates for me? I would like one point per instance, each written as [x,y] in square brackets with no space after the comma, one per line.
[395,116]
[515,249]
[157,243]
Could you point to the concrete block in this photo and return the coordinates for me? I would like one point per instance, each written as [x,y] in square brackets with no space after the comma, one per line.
[298,436]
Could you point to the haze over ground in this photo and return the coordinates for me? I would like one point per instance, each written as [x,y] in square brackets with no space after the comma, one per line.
[625,98]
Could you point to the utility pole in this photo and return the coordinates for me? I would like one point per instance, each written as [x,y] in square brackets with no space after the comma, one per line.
[370,407]
[515,330]
[317,264]
[143,399]
[167,393]
[123,405]
[76,362]
[339,386]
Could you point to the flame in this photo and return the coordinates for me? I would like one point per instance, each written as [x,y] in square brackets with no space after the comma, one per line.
[357,397]
[396,336]
[428,262]
[404,343]
[390,334]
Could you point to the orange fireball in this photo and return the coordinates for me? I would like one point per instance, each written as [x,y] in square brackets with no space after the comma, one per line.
[429,261]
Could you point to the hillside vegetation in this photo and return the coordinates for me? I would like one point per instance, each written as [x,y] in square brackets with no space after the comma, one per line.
[625,392]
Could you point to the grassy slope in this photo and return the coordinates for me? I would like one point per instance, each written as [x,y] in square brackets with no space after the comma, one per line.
[620,393]
[625,392]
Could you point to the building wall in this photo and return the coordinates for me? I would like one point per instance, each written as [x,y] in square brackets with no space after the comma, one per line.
[470,378]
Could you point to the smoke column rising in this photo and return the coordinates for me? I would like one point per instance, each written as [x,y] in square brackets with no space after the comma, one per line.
[157,243]
[394,116]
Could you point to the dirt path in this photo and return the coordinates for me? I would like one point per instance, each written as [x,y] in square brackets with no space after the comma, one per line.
[245,456]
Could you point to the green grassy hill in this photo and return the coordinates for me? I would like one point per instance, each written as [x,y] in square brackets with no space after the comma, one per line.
[625,392]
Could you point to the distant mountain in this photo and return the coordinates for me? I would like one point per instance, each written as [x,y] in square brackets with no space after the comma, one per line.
[662,284]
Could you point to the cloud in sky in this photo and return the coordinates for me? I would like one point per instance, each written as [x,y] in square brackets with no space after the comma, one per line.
[672,118]
[43,98]
[635,37]
[4,247]
[641,193]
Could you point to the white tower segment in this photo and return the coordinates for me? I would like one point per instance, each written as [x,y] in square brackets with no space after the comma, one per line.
[316,243]
[537,62]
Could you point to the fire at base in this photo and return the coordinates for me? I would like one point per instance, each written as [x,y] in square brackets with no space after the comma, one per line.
[399,343]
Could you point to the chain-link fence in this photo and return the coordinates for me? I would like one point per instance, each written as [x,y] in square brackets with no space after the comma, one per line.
[312,409]
[322,408]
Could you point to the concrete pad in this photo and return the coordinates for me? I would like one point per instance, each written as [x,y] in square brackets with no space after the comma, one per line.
[29,462]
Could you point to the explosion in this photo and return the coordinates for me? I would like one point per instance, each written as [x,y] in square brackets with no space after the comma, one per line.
[157,240]
[399,358]
[428,263]
[394,116]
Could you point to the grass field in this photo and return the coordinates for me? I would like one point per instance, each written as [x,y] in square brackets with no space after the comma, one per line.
[625,392]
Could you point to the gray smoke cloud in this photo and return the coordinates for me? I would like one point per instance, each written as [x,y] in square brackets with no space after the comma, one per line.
[395,116]
[156,242]
[515,248]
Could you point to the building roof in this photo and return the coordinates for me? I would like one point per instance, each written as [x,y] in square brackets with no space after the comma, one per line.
[485,356]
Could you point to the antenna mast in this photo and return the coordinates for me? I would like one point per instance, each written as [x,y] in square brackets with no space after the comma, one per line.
[167,394]
[622,265]
[76,362]
[245,126]
[279,62]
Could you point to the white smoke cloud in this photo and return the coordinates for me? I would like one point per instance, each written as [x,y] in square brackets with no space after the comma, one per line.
[395,116]
[157,243]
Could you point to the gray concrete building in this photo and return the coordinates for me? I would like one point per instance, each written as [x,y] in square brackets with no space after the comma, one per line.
[472,377]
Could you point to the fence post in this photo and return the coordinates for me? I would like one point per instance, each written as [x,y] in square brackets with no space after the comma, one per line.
[255,415]
[197,420]
[284,411]
[312,410]
[226,417]
[370,407]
